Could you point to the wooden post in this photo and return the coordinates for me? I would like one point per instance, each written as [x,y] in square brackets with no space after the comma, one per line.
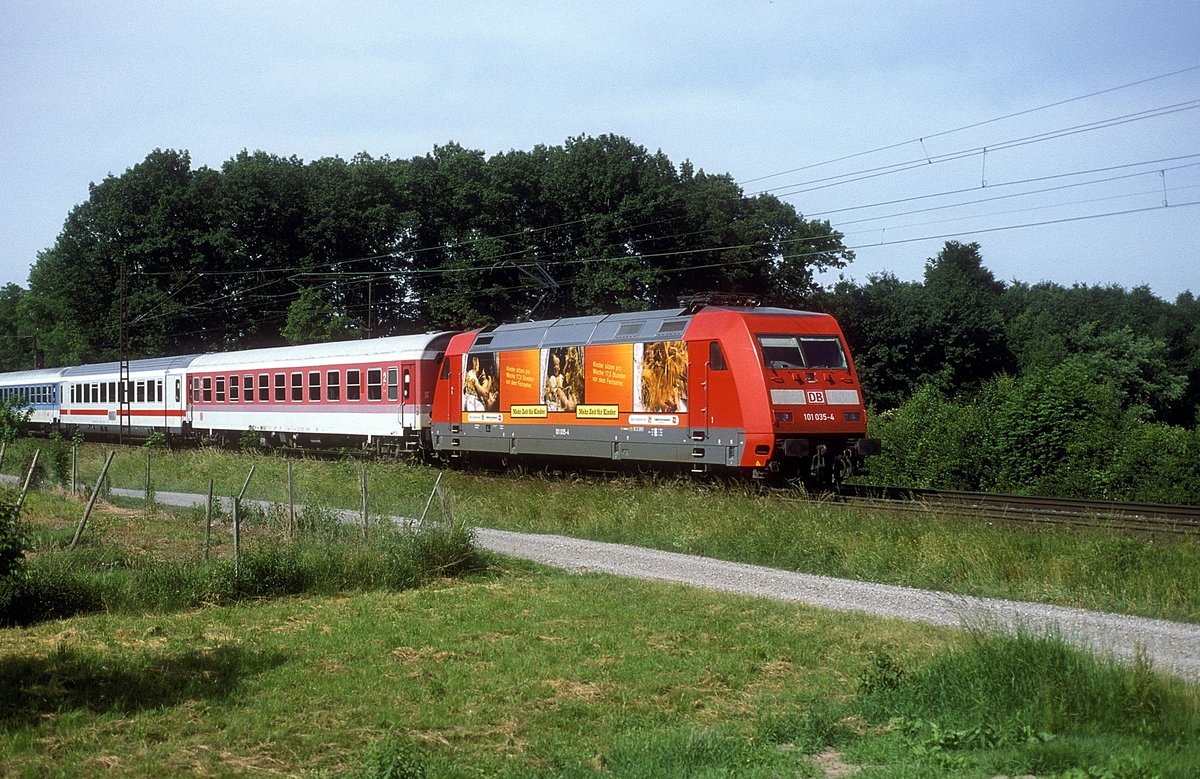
[362,483]
[208,514]
[3,449]
[91,501]
[74,468]
[291,501]
[149,491]
[28,479]
[237,529]
[436,485]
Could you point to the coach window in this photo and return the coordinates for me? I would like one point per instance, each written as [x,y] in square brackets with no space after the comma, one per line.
[195,389]
[220,389]
[234,389]
[248,387]
[393,389]
[375,384]
[297,387]
[333,385]
[353,382]
[264,388]
[314,385]
[103,393]
[141,392]
[280,387]
[177,392]
[407,383]
[208,389]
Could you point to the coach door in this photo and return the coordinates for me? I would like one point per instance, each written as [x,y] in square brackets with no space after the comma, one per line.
[406,390]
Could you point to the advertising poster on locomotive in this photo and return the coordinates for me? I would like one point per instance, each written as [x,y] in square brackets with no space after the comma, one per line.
[637,384]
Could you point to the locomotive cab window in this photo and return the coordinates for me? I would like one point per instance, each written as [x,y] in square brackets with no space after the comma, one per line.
[716,357]
[787,352]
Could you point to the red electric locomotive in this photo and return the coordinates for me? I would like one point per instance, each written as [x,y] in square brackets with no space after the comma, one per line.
[705,388]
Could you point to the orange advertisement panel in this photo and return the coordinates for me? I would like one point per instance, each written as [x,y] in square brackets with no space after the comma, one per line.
[519,385]
[563,374]
[610,375]
[661,368]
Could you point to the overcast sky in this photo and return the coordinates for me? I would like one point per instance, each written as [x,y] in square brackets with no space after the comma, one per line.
[771,93]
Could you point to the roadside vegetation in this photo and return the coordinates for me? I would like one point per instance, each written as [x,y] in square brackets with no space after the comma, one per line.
[1152,576]
[331,656]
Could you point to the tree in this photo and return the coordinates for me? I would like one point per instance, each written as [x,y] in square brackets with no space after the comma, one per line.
[312,319]
[966,325]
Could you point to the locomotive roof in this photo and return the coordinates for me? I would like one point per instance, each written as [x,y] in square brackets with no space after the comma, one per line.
[423,345]
[627,327]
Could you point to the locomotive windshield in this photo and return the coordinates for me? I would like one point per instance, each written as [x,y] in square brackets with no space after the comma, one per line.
[801,351]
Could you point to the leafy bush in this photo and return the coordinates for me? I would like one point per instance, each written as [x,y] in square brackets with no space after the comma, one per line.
[12,535]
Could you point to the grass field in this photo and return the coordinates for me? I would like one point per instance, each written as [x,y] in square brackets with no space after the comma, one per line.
[1095,569]
[518,670]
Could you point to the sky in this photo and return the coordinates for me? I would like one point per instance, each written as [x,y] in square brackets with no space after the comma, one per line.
[1062,137]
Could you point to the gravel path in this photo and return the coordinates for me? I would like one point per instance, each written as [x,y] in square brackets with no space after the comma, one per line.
[1170,646]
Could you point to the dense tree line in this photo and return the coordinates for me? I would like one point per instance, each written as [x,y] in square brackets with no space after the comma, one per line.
[1080,391]
[974,383]
[165,258]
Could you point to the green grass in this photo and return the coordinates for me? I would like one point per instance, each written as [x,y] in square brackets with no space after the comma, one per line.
[516,670]
[527,672]
[1093,568]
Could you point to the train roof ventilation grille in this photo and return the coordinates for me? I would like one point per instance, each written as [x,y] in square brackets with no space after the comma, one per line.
[484,340]
[629,329]
[672,326]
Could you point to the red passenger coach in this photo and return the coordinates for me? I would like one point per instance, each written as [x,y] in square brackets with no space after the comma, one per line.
[374,393]
[767,392]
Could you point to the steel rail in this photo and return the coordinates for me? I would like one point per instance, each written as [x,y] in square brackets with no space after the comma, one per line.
[1116,515]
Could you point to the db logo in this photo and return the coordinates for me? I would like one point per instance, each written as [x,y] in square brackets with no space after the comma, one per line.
[815,396]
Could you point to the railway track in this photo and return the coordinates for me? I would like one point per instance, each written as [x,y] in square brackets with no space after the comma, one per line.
[1025,509]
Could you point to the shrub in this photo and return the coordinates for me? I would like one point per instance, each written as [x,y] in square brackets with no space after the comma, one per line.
[12,536]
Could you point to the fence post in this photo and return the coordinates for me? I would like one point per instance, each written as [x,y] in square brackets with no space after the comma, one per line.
[362,481]
[92,500]
[208,512]
[28,479]
[291,501]
[436,485]
[149,488]
[237,528]
[74,468]
[3,449]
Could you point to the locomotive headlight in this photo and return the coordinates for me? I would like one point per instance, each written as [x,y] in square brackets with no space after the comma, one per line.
[852,416]
[783,417]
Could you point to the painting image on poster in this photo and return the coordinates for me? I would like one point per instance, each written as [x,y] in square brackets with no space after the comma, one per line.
[661,371]
[562,378]
[481,388]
